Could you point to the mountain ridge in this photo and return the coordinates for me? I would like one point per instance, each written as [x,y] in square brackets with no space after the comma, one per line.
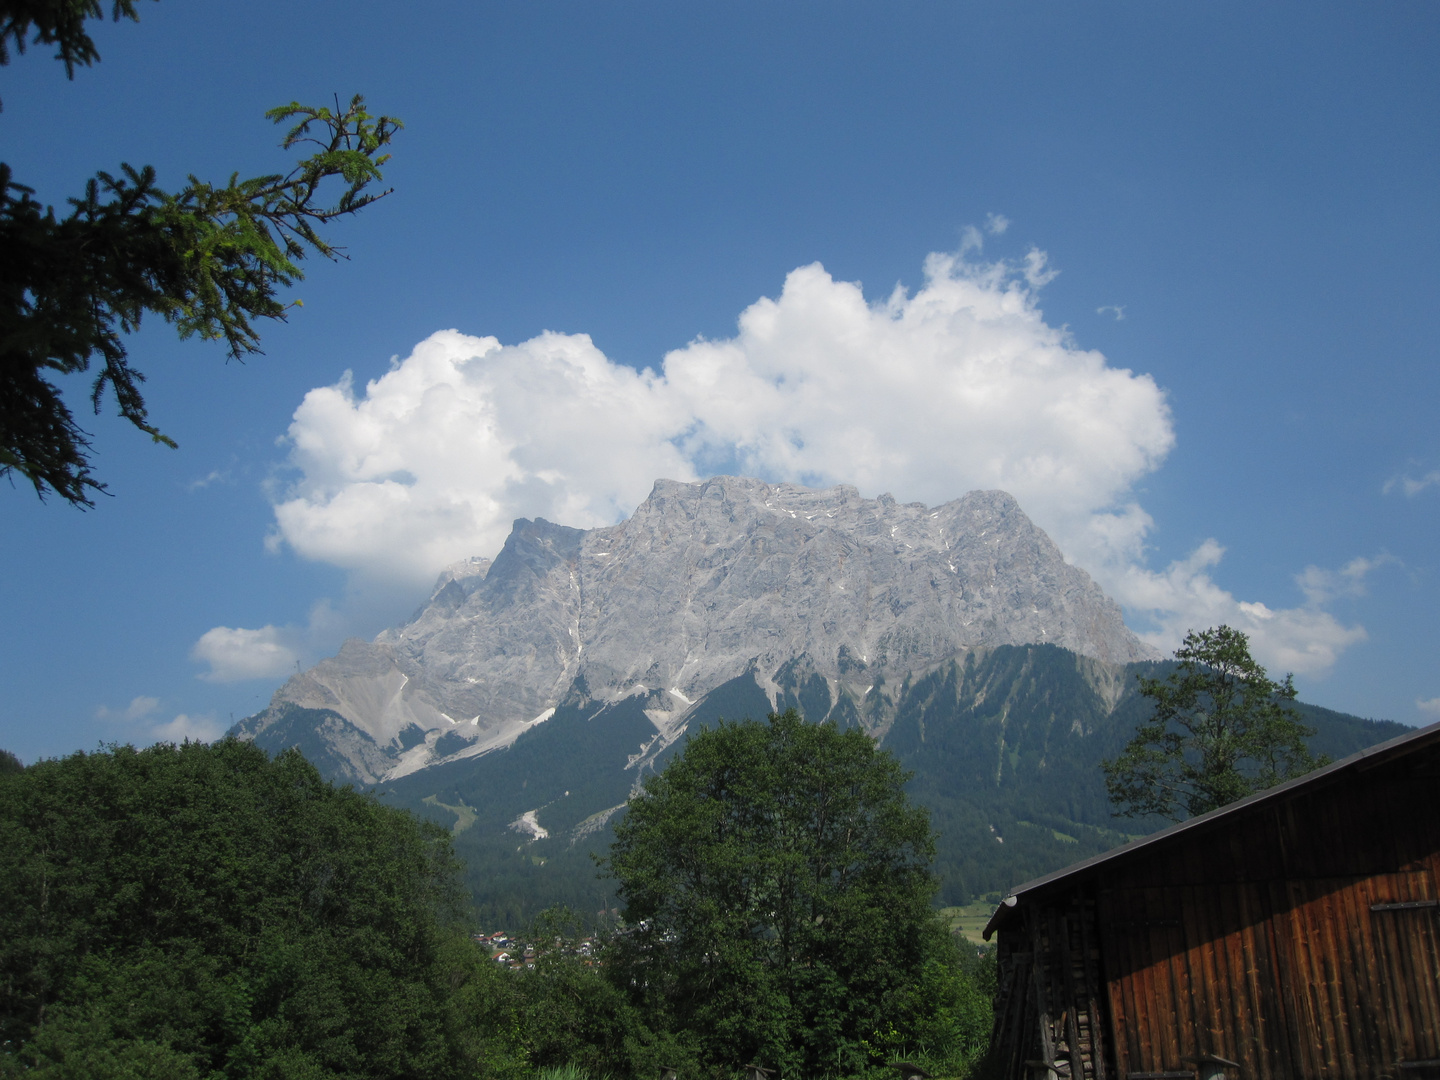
[704,582]
[527,699]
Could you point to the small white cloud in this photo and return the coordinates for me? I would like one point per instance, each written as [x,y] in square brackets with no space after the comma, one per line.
[1428,705]
[141,706]
[1412,485]
[996,224]
[215,476]
[1118,310]
[971,239]
[138,708]
[1037,270]
[234,653]
[1321,586]
[195,728]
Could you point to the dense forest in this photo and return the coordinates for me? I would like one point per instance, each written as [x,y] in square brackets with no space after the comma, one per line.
[204,911]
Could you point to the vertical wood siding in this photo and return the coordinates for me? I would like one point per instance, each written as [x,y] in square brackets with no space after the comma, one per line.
[1294,939]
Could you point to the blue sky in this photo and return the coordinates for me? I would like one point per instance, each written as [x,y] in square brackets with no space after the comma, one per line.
[1184,300]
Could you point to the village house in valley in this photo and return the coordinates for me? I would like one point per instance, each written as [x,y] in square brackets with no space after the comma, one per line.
[1293,934]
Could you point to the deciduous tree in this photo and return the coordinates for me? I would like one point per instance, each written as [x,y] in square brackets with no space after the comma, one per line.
[777,892]
[1221,730]
[205,911]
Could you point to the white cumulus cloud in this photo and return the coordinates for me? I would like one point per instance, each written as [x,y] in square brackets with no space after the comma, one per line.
[234,653]
[436,458]
[960,385]
[204,728]
[1428,705]
[1305,639]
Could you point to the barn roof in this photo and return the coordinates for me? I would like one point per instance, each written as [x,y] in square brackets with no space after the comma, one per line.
[1366,759]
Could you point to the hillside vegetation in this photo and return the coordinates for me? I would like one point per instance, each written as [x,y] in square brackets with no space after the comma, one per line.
[1004,747]
[192,912]
[211,911]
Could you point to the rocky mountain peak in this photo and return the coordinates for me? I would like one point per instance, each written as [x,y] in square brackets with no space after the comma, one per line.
[704,582]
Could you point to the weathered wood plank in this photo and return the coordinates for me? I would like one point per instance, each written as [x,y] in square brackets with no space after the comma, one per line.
[1287,1051]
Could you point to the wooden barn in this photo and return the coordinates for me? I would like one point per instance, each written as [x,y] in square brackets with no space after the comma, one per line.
[1293,934]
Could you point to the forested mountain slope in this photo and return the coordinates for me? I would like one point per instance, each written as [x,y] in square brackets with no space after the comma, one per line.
[1004,746]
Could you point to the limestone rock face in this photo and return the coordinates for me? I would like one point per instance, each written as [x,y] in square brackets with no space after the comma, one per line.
[703,583]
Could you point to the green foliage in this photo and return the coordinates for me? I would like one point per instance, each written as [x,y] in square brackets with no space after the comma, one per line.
[1221,730]
[57,22]
[193,911]
[944,1016]
[561,1018]
[563,1072]
[205,911]
[777,888]
[9,763]
[208,259]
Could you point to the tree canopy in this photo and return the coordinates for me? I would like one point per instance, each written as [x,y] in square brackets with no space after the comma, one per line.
[1221,729]
[209,259]
[777,892]
[187,911]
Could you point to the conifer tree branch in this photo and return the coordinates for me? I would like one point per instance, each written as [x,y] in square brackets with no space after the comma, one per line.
[57,22]
[210,260]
